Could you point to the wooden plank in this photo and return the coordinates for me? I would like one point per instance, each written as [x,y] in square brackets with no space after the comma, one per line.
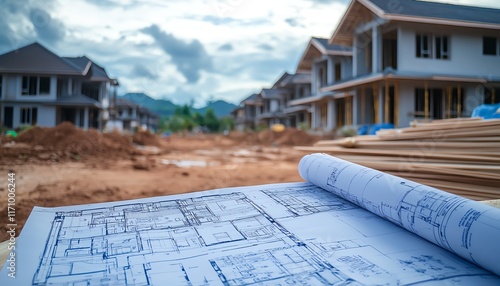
[417,153]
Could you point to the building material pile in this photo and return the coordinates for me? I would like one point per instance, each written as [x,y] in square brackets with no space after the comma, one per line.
[461,156]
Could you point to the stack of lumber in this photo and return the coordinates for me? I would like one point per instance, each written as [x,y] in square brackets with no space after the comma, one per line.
[461,156]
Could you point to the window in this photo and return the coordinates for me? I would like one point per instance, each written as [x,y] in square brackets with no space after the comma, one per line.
[442,47]
[91,90]
[44,88]
[322,76]
[0,86]
[33,85]
[489,46]
[29,116]
[428,46]
[419,103]
[423,46]
[338,72]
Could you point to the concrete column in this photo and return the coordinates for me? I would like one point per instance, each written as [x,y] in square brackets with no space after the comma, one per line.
[376,49]
[314,116]
[355,107]
[70,86]
[53,87]
[331,115]
[86,119]
[381,103]
[314,79]
[355,54]
[330,71]
[77,119]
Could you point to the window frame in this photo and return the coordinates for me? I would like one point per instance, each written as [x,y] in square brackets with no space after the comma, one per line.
[322,75]
[32,85]
[442,47]
[485,38]
[28,115]
[432,46]
[338,71]
[419,98]
[421,51]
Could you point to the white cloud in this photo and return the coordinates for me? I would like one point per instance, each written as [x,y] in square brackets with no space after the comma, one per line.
[260,39]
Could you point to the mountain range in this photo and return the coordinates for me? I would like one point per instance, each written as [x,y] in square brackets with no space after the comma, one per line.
[165,107]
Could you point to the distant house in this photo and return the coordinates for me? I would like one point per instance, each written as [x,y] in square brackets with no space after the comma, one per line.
[272,105]
[414,60]
[327,64]
[148,120]
[298,86]
[37,87]
[130,117]
[246,114]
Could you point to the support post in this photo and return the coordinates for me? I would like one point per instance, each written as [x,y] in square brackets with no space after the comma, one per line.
[363,105]
[86,119]
[376,103]
[396,104]
[426,101]
[348,103]
[459,105]
[386,103]
[448,102]
[330,115]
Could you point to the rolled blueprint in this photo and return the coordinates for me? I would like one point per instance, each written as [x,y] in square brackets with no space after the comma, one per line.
[467,228]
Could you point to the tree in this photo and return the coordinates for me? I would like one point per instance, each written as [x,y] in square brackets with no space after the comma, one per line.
[211,121]
[198,119]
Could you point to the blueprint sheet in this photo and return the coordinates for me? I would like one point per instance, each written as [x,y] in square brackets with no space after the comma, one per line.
[285,234]
[467,228]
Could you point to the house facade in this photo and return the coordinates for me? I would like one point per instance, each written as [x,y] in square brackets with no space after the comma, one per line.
[327,65]
[272,105]
[393,62]
[417,60]
[37,87]
[247,113]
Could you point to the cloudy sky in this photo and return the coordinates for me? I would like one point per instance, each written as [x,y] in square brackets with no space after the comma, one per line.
[180,50]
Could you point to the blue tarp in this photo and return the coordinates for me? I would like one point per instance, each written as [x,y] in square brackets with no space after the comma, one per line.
[487,111]
[371,129]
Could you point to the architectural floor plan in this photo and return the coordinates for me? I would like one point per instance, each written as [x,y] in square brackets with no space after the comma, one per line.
[285,234]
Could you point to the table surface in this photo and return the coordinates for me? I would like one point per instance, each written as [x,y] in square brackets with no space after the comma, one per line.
[4,245]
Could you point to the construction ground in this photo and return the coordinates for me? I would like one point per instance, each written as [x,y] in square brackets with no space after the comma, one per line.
[67,166]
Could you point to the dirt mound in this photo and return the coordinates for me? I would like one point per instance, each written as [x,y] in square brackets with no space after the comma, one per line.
[145,138]
[65,141]
[288,137]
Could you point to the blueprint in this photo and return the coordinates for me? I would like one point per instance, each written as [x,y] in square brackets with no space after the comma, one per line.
[467,228]
[284,234]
